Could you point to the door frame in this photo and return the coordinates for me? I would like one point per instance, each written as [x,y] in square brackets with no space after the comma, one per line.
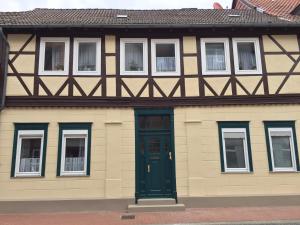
[150,111]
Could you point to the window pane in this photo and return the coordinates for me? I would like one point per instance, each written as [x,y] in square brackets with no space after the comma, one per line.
[235,156]
[165,58]
[30,155]
[87,57]
[215,56]
[246,54]
[75,152]
[281,151]
[54,56]
[134,57]
[154,122]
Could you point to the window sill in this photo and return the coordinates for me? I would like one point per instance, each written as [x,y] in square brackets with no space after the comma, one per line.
[273,172]
[72,175]
[238,172]
[27,176]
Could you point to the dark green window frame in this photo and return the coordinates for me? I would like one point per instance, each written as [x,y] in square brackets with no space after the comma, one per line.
[29,126]
[281,124]
[74,126]
[233,125]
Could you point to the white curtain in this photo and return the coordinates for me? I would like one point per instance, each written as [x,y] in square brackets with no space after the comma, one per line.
[165,64]
[87,57]
[74,164]
[133,57]
[246,54]
[29,165]
[235,156]
[215,56]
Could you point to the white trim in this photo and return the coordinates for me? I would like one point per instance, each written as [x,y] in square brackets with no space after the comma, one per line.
[73,134]
[26,134]
[245,141]
[43,41]
[77,41]
[292,144]
[255,41]
[225,41]
[143,41]
[153,56]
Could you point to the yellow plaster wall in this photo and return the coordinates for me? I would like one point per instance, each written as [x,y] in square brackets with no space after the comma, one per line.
[190,64]
[278,63]
[112,155]
[16,41]
[15,88]
[198,155]
[110,65]
[110,44]
[189,44]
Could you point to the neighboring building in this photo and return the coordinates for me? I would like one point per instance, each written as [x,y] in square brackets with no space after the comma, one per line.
[287,9]
[118,104]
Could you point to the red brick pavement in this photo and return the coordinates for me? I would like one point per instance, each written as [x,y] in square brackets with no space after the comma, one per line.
[188,216]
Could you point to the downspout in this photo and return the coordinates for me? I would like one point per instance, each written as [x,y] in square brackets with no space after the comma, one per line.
[3,37]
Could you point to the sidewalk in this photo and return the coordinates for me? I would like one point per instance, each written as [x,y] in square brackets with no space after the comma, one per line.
[203,215]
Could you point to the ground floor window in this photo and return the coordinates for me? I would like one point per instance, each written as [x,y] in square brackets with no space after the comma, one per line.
[282,146]
[29,150]
[74,149]
[235,147]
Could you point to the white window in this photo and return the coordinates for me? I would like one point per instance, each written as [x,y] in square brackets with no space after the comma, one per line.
[282,149]
[235,150]
[133,56]
[87,56]
[165,56]
[247,59]
[215,56]
[74,152]
[54,56]
[29,153]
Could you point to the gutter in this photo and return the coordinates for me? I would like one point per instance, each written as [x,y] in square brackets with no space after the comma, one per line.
[2,101]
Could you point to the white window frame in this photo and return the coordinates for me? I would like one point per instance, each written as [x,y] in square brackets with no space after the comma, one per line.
[43,41]
[177,56]
[26,134]
[292,144]
[77,41]
[255,41]
[225,41]
[246,150]
[73,134]
[124,41]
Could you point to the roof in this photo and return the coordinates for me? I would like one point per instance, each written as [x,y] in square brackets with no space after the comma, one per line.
[281,8]
[189,17]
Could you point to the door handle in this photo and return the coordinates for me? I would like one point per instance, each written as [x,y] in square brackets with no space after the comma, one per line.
[149,168]
[170,155]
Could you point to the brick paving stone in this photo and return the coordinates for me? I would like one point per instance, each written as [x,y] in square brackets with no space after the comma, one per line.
[201,215]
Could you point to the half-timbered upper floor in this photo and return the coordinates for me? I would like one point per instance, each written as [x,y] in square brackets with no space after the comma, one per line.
[228,57]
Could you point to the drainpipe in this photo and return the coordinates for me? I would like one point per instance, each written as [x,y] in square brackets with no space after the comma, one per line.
[5,67]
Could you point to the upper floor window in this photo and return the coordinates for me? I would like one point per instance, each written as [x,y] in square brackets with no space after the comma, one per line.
[54,56]
[215,56]
[247,59]
[87,53]
[282,146]
[165,57]
[133,56]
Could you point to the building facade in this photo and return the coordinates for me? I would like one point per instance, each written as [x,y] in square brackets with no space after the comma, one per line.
[119,110]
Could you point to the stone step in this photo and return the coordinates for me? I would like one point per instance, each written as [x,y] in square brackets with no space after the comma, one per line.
[157,201]
[156,208]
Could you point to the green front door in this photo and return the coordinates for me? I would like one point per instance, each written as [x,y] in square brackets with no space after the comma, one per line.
[155,175]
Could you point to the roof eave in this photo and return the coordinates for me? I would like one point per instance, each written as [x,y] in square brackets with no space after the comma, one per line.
[155,25]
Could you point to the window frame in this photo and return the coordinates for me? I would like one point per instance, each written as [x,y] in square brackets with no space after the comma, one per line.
[239,126]
[235,41]
[124,41]
[76,130]
[176,43]
[42,52]
[282,126]
[77,41]
[28,130]
[225,41]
